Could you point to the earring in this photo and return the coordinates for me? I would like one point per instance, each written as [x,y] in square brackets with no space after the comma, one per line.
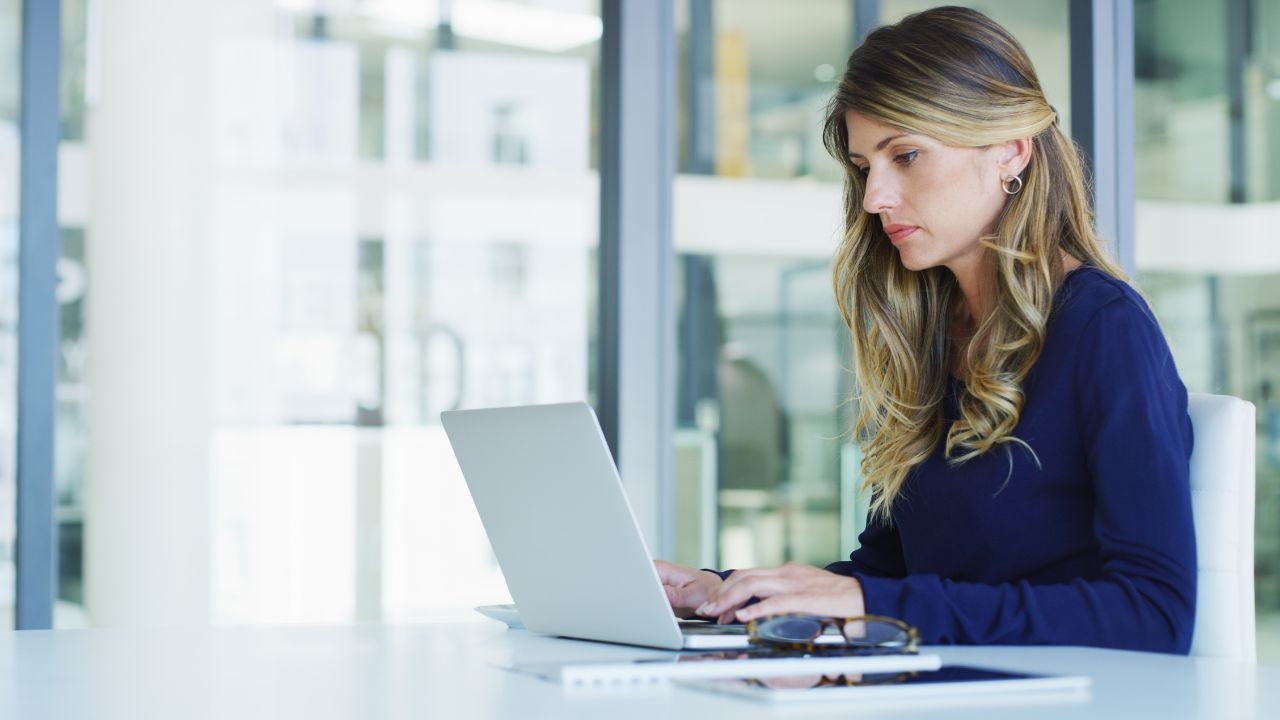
[1012,185]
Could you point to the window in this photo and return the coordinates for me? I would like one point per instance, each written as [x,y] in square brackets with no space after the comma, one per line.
[10,99]
[760,449]
[1207,124]
[309,229]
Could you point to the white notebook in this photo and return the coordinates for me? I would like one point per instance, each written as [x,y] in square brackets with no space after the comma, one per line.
[726,664]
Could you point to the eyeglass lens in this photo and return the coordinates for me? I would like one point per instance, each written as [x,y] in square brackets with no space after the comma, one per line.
[874,633]
[789,629]
[865,633]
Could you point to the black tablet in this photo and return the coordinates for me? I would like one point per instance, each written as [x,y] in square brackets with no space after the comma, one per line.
[949,685]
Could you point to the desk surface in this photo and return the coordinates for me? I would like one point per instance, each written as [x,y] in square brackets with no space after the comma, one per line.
[442,671]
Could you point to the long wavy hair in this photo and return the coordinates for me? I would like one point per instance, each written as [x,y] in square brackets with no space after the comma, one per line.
[956,76]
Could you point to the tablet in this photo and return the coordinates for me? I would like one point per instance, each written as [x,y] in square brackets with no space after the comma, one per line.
[949,685]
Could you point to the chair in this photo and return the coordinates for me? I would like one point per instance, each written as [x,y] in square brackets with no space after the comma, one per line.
[1222,497]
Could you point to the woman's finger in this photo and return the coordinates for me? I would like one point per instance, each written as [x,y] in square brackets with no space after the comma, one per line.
[792,571]
[776,605]
[760,586]
[843,599]
[722,609]
[741,576]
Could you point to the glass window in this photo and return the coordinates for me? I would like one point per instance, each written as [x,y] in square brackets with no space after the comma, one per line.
[10,99]
[320,224]
[762,473]
[1207,121]
[756,216]
[1181,113]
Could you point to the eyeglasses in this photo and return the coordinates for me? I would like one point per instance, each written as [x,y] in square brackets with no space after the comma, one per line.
[872,634]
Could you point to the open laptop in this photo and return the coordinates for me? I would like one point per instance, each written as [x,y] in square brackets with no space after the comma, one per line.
[564,534]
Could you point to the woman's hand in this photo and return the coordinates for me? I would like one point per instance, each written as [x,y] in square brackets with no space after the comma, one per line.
[791,588]
[686,587]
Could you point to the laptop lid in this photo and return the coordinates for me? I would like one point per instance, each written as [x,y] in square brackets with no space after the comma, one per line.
[554,509]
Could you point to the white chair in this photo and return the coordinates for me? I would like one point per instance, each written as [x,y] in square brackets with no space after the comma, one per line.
[1222,496]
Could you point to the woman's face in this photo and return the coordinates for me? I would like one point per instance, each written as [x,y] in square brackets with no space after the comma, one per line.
[934,200]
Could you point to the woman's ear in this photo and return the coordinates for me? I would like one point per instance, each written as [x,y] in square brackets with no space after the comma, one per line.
[1015,155]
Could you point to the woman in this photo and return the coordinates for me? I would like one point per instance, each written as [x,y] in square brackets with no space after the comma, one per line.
[1024,429]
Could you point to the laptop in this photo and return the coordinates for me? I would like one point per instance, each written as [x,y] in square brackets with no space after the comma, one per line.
[552,504]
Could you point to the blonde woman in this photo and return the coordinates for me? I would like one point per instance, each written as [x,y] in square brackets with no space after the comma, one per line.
[1024,430]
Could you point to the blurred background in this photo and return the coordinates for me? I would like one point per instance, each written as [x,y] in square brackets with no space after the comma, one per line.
[294,231]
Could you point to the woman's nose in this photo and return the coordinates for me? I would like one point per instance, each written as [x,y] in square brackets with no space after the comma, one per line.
[880,194]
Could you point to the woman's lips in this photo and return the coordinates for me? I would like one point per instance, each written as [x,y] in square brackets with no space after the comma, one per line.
[898,233]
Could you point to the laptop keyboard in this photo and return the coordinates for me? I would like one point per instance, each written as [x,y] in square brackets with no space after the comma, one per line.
[695,627]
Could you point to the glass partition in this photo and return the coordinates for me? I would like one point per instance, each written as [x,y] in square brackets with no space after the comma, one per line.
[764,474]
[756,215]
[1207,146]
[377,210]
[10,102]
[318,223]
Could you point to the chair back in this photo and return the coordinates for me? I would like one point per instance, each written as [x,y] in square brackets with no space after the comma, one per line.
[1222,497]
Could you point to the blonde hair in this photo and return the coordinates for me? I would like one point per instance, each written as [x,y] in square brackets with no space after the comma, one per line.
[954,75]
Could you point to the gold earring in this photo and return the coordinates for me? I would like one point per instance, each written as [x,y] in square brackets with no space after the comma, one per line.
[1011,185]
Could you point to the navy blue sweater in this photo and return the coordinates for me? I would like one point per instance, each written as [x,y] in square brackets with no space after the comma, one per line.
[1096,546]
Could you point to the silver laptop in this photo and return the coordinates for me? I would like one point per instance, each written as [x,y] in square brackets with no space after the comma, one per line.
[555,512]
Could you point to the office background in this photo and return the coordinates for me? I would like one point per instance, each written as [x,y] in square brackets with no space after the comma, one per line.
[293,231]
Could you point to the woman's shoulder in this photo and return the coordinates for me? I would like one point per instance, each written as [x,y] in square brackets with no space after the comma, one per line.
[1105,327]
[1090,296]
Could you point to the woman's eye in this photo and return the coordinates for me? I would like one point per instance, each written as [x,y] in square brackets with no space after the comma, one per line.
[905,158]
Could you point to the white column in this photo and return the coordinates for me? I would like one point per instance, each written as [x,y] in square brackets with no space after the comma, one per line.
[147,551]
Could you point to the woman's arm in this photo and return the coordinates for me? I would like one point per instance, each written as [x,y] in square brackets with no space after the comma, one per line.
[1132,411]
[1131,408]
[879,553]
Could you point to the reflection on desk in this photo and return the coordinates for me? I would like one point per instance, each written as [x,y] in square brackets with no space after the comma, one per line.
[445,671]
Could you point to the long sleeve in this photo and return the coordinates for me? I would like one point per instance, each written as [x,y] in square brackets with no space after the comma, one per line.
[879,553]
[1130,409]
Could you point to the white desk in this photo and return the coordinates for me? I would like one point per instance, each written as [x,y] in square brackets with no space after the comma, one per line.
[447,671]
